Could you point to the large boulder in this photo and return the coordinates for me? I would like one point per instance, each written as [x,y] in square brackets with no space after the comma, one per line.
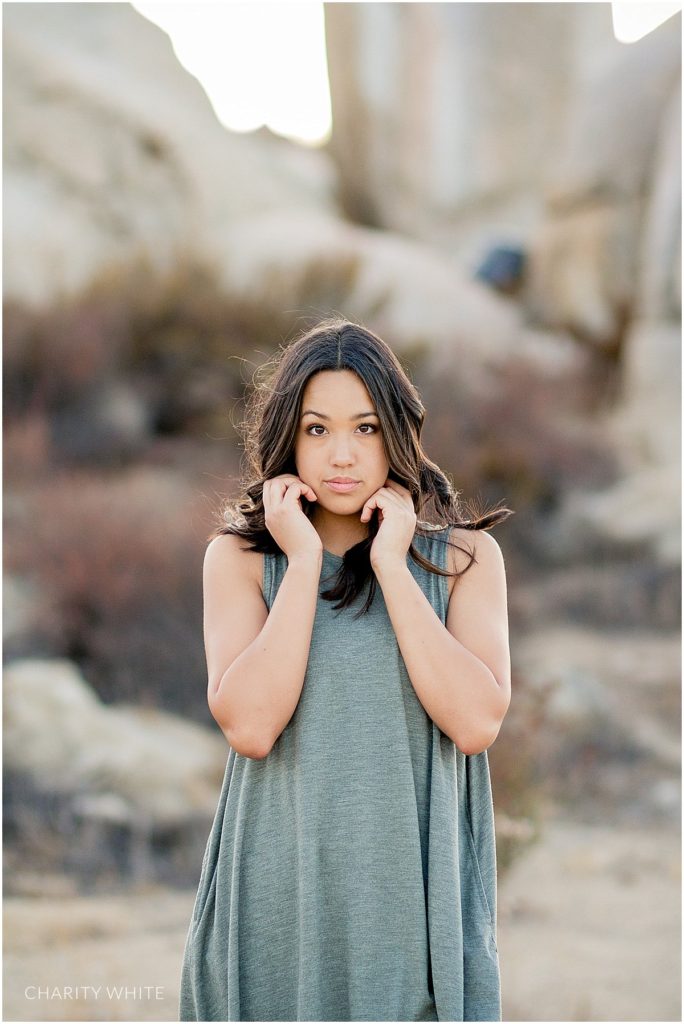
[431,112]
[415,295]
[112,151]
[608,241]
[104,790]
[433,137]
[59,732]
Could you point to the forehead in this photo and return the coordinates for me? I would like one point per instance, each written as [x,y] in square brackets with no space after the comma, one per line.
[335,389]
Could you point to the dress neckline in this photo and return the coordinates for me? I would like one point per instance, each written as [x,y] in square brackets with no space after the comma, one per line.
[336,558]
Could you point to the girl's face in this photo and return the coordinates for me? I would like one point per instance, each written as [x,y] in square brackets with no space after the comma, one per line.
[339,436]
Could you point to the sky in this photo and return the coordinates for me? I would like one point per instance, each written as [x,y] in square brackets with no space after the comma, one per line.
[259,63]
[631,21]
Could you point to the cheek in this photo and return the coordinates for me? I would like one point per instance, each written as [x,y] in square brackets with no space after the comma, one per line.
[303,458]
[381,455]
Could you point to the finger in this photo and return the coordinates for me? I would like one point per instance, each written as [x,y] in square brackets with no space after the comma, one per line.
[307,491]
[298,488]
[310,493]
[368,509]
[278,488]
[267,491]
[292,478]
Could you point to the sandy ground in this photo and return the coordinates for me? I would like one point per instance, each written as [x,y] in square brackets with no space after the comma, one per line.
[590,926]
[589,929]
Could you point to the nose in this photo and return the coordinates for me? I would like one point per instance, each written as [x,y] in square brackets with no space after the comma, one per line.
[342,455]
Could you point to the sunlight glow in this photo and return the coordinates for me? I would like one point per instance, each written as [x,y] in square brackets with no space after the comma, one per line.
[259,63]
[633,21]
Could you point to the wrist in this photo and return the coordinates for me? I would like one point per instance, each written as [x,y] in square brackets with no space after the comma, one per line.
[306,559]
[388,567]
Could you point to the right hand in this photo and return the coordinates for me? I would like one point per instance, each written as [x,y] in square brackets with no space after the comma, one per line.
[285,520]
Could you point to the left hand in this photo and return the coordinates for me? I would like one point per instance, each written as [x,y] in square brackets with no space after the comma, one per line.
[397,517]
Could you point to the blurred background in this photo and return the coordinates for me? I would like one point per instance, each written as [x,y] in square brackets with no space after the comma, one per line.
[495,189]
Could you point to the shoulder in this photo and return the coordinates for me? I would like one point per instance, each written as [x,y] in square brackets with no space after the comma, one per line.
[229,556]
[480,543]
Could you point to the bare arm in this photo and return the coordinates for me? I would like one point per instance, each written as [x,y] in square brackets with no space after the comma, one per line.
[256,660]
[461,671]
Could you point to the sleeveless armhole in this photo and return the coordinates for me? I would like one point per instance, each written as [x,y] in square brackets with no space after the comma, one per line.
[437,550]
[267,578]
[443,563]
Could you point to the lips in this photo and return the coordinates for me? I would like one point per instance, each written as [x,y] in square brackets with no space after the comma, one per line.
[342,484]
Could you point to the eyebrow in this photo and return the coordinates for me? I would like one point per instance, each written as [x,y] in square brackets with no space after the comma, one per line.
[322,416]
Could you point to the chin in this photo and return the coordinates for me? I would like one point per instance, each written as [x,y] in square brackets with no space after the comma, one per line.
[340,505]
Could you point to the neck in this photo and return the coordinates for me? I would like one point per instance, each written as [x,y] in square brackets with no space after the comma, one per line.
[338,533]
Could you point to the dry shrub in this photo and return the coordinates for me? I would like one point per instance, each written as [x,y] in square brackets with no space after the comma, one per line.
[26,447]
[121,562]
[519,781]
[171,340]
[180,341]
[54,356]
[525,443]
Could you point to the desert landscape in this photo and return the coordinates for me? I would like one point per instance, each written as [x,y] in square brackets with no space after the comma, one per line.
[520,249]
[589,929]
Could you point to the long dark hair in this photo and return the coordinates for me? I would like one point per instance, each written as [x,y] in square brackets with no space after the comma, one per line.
[270,430]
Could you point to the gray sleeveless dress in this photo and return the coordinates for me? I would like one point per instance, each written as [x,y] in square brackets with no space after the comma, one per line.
[350,875]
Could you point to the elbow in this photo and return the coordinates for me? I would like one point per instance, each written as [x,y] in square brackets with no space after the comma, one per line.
[256,748]
[254,751]
[248,746]
[480,739]
[473,747]
[477,743]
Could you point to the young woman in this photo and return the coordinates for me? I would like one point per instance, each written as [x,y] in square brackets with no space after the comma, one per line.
[359,669]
